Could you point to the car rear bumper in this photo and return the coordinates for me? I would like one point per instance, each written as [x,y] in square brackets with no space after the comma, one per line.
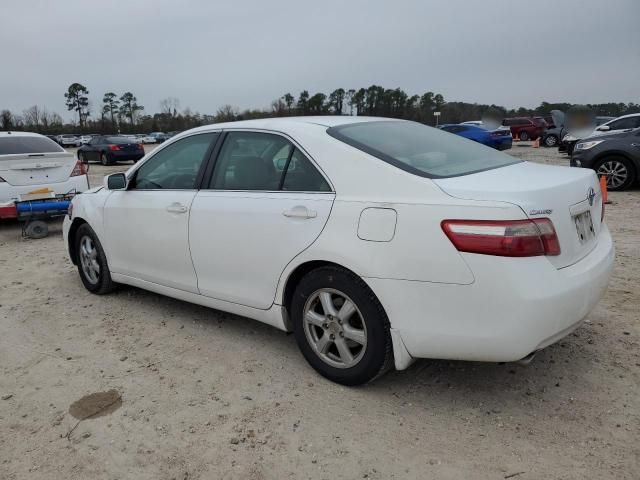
[122,155]
[514,307]
[76,184]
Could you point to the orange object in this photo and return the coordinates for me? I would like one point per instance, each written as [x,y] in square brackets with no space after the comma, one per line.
[603,189]
[536,144]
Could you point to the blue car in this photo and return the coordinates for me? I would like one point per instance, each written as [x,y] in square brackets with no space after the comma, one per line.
[499,139]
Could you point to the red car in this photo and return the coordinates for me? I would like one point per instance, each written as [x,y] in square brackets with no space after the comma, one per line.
[525,128]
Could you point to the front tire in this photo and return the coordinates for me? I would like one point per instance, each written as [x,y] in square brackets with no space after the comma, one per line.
[618,171]
[550,141]
[340,326]
[92,262]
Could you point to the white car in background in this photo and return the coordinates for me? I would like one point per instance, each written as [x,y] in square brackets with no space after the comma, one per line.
[29,162]
[375,241]
[146,139]
[84,139]
[68,140]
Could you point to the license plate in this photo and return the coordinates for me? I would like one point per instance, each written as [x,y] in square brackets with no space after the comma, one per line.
[584,226]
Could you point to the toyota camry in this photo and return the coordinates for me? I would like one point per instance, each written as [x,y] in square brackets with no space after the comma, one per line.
[375,241]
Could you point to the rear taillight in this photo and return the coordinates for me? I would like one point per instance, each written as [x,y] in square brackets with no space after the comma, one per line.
[114,147]
[141,146]
[79,169]
[505,238]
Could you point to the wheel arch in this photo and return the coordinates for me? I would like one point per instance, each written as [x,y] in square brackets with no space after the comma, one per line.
[71,238]
[401,357]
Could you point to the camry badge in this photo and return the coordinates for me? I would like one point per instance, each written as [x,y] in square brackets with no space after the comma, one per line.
[591,194]
[540,212]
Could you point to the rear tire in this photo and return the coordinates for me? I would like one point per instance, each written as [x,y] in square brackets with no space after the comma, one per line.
[105,160]
[82,158]
[524,136]
[92,262]
[618,171]
[349,346]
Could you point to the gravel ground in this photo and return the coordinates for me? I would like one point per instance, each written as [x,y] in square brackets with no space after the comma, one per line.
[203,394]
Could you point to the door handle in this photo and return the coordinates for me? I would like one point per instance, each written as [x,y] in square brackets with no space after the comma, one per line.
[177,208]
[300,211]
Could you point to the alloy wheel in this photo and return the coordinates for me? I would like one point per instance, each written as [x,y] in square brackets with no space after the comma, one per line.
[89,259]
[335,328]
[615,172]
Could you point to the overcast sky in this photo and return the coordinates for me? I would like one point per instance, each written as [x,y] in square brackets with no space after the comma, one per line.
[249,52]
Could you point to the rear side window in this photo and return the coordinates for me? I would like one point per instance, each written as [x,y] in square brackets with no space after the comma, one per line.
[265,162]
[12,145]
[419,149]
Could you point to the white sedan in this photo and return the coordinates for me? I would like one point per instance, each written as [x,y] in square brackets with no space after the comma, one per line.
[375,241]
[30,162]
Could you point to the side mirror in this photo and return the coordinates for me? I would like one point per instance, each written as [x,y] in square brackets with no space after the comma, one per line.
[116,181]
[603,128]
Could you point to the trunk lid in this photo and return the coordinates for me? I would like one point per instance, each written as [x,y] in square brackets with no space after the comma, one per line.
[570,197]
[36,168]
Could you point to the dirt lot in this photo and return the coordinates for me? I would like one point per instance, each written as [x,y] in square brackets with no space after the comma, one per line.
[209,395]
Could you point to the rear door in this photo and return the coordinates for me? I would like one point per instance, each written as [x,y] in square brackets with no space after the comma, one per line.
[265,203]
[33,160]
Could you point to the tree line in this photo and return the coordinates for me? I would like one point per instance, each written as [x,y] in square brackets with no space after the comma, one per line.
[123,114]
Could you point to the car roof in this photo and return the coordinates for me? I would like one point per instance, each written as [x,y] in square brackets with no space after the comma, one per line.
[275,123]
[11,133]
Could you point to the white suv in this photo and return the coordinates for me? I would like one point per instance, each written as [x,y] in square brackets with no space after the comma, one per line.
[618,125]
[29,162]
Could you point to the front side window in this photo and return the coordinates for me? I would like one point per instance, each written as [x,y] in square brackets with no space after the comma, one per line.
[266,162]
[176,166]
[419,149]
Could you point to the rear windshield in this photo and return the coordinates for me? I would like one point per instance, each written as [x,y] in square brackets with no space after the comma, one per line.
[120,140]
[419,149]
[11,145]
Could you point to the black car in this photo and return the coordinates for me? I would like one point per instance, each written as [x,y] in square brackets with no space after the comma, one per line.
[110,149]
[616,157]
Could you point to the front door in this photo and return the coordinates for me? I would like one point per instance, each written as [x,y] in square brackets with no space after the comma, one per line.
[146,226]
[265,203]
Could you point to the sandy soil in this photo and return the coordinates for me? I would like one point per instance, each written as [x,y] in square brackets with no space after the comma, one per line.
[209,395]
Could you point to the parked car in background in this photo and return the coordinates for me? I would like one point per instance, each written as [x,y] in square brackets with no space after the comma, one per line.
[555,129]
[610,124]
[68,140]
[84,139]
[147,139]
[29,161]
[448,250]
[499,138]
[110,149]
[614,156]
[159,136]
[525,128]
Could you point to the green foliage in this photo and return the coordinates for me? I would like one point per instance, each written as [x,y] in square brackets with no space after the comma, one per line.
[76,99]
[125,115]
